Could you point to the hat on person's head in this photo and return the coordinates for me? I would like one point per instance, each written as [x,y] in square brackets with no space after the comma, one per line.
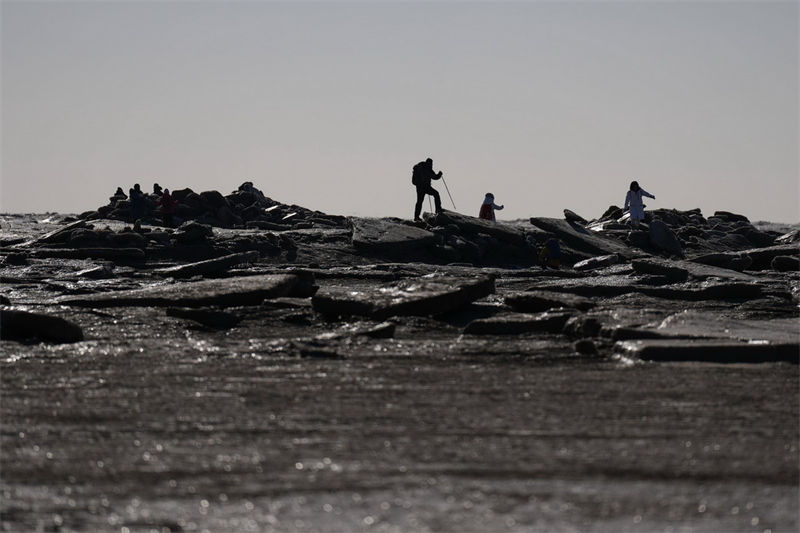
[490,195]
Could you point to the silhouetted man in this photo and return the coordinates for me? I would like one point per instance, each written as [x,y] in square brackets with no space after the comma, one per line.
[136,198]
[421,178]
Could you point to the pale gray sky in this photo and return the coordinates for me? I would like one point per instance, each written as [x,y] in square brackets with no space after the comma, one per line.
[548,105]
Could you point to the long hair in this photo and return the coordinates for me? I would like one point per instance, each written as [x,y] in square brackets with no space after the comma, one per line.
[635,186]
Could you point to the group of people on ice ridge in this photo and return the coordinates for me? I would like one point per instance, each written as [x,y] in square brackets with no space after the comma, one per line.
[423,173]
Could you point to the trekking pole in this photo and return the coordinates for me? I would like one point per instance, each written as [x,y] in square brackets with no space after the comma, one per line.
[448,193]
[430,205]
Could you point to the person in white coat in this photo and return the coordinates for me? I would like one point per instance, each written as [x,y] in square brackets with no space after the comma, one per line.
[633,201]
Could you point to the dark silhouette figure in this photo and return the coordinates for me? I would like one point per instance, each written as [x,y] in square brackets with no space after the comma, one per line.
[157,190]
[136,197]
[118,196]
[488,208]
[168,205]
[247,186]
[421,178]
[633,201]
[550,254]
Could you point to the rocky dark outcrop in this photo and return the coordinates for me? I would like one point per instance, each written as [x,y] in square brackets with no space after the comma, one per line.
[15,259]
[246,205]
[128,239]
[670,232]
[662,238]
[572,216]
[390,236]
[612,213]
[728,217]
[22,325]
[700,271]
[638,239]
[758,238]
[193,233]
[749,259]
[473,226]
[214,199]
[583,240]
[458,238]
[616,263]
[660,268]
[61,234]
[446,238]
[734,261]
[785,263]
[762,257]
[585,347]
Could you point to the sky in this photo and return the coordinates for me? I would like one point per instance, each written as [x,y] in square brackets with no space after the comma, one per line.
[328,105]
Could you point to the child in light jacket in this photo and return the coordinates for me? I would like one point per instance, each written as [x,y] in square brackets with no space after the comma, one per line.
[633,200]
[488,208]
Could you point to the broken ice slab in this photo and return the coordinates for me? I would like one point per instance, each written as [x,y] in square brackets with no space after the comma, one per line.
[714,351]
[425,296]
[513,324]
[111,254]
[209,266]
[473,226]
[536,301]
[209,317]
[704,324]
[372,234]
[227,292]
[594,263]
[577,237]
[615,285]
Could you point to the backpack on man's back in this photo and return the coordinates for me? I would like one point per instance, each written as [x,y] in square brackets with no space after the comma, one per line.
[417,175]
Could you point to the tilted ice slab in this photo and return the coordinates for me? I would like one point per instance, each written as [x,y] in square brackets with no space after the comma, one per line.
[425,296]
[718,339]
[243,290]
